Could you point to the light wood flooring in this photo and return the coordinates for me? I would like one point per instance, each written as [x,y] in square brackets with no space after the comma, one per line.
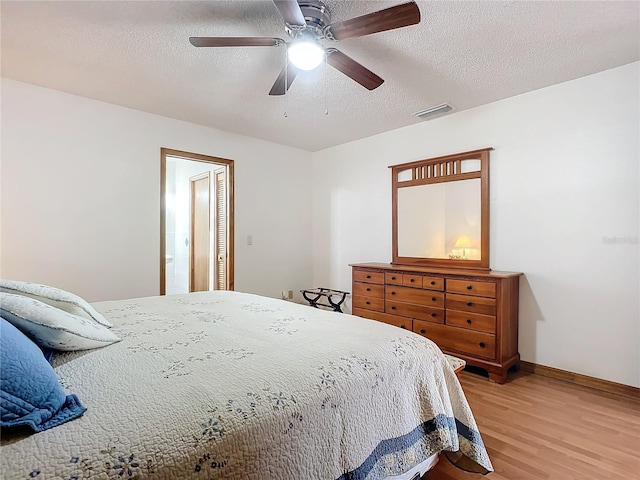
[536,427]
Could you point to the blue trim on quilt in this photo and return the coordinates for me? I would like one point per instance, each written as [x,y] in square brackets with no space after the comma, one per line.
[466,432]
[397,444]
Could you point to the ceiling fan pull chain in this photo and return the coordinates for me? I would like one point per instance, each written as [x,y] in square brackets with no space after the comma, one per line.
[286,83]
[326,86]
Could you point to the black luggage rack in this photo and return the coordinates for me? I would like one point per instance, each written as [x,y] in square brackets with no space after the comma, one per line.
[315,294]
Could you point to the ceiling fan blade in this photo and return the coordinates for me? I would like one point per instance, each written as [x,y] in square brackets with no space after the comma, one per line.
[394,17]
[353,69]
[235,41]
[278,86]
[290,11]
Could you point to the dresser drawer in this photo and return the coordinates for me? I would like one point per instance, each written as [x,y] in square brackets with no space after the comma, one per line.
[465,303]
[456,339]
[472,321]
[368,303]
[435,315]
[470,287]
[368,289]
[402,322]
[433,283]
[414,295]
[393,278]
[368,276]
[414,281]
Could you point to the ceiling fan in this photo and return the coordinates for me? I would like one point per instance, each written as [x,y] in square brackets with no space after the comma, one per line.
[308,22]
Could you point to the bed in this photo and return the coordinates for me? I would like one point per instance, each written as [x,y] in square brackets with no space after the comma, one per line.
[237,386]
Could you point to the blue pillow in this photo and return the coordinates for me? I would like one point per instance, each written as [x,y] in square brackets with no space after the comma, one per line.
[30,393]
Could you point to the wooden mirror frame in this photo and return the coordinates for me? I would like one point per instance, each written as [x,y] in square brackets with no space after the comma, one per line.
[439,170]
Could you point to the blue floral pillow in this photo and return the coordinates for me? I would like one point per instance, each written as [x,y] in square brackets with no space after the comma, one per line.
[30,393]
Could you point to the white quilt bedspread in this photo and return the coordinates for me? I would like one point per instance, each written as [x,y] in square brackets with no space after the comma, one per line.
[238,386]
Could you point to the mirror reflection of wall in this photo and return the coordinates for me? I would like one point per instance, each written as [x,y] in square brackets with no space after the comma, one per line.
[440,220]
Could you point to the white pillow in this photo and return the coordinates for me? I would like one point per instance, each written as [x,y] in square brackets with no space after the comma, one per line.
[52,327]
[55,297]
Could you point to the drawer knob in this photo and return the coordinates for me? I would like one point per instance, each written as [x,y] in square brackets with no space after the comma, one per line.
[422,330]
[368,302]
[433,299]
[469,321]
[393,307]
[393,278]
[368,276]
[481,344]
[433,315]
[469,287]
[412,280]
[432,282]
[368,289]
[393,293]
[469,304]
[402,326]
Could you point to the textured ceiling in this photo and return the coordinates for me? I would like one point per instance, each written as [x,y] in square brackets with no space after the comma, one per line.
[466,53]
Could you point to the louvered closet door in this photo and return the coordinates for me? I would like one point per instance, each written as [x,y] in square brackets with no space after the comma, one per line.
[221,230]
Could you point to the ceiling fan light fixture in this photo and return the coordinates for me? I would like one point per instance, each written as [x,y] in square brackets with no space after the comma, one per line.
[306,54]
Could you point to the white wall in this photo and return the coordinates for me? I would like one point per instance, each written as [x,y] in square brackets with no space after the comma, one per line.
[564,210]
[80,197]
[79,200]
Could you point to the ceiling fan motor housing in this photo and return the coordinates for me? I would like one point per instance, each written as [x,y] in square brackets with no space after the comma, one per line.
[316,16]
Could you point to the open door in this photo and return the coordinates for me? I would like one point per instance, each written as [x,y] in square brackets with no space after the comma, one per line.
[200,249]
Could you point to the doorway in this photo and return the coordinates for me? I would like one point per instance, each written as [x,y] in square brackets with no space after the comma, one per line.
[196,223]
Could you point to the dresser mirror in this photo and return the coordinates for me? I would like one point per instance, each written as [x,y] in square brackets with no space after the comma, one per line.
[441,211]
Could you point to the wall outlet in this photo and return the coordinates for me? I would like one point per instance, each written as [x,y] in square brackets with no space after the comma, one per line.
[290,294]
[284,295]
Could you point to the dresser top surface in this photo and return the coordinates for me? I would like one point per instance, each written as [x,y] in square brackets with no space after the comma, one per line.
[436,271]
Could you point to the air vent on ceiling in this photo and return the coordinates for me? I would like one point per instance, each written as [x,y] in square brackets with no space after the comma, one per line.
[433,111]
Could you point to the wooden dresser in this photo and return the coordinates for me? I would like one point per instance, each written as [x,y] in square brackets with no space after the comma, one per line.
[472,315]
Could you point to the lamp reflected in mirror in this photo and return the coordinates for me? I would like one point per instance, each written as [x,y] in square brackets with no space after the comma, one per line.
[463,249]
